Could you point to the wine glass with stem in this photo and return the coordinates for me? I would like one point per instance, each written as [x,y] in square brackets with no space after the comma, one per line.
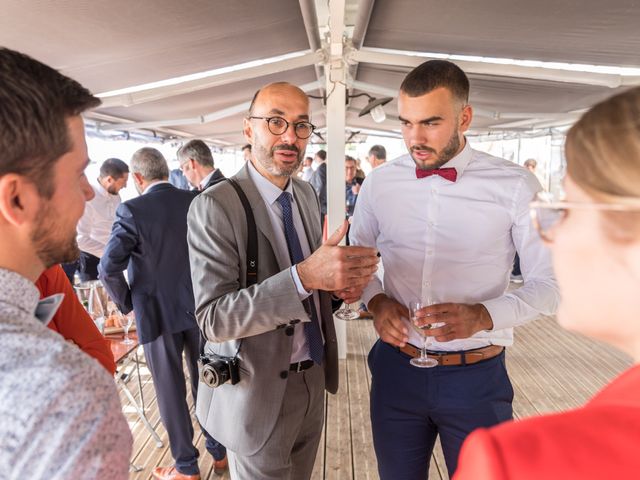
[95,310]
[418,319]
[346,312]
[125,322]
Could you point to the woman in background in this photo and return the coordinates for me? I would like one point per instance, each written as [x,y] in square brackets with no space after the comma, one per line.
[72,321]
[595,240]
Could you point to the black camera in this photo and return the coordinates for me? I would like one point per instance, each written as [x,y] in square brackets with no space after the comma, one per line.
[217,370]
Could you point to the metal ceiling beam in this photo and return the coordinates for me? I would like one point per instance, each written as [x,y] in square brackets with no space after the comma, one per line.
[199,120]
[215,78]
[310,19]
[411,60]
[102,119]
[365,8]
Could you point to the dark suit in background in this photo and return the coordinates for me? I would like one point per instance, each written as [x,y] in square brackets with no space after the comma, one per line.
[319,183]
[149,239]
[215,178]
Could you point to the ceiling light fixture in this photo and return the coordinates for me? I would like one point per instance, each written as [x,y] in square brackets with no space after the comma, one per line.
[374,107]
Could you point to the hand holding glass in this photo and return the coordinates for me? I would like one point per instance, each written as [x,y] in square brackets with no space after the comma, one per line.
[347,313]
[417,321]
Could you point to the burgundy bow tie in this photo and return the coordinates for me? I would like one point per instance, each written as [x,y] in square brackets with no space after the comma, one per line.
[446,173]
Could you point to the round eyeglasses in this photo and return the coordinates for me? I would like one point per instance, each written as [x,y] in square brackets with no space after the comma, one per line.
[547,215]
[278,125]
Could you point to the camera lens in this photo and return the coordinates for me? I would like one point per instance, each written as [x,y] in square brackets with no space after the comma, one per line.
[215,374]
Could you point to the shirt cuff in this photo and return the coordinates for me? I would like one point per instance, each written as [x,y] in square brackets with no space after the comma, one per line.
[501,311]
[302,293]
[374,288]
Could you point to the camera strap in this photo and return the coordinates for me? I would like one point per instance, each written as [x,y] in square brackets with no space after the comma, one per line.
[252,242]
[252,236]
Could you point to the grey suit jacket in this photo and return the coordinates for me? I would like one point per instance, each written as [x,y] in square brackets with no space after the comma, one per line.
[242,416]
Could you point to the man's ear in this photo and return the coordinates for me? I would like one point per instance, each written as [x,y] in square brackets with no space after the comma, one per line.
[247,129]
[466,115]
[138,178]
[19,199]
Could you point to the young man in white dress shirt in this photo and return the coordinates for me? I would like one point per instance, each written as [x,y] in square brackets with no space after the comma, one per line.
[95,225]
[447,221]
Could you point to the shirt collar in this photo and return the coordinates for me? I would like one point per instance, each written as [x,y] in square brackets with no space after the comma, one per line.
[97,186]
[18,291]
[205,180]
[151,187]
[99,189]
[461,160]
[268,191]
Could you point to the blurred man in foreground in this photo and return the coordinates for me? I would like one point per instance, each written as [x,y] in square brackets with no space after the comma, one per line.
[61,414]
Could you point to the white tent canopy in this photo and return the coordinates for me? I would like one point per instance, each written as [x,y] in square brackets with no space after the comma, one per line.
[214,55]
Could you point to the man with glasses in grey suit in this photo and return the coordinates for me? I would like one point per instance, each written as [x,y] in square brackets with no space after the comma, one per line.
[280,328]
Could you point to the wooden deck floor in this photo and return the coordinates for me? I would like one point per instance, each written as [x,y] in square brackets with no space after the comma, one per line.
[551,370]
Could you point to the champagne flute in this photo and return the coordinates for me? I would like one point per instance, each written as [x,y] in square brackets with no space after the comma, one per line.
[95,310]
[125,322]
[417,319]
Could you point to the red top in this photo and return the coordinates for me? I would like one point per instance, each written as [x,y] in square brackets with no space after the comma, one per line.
[599,440]
[72,321]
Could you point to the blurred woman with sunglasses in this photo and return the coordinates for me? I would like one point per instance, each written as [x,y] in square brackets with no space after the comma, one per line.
[595,240]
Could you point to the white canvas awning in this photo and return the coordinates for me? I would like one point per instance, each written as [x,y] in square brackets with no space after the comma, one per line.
[119,49]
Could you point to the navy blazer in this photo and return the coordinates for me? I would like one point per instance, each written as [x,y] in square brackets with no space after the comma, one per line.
[149,240]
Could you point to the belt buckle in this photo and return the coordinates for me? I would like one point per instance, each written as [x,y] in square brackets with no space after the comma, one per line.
[298,367]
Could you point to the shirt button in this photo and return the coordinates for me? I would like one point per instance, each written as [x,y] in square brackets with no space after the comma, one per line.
[284,374]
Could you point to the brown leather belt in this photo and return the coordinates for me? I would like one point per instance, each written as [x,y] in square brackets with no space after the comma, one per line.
[468,357]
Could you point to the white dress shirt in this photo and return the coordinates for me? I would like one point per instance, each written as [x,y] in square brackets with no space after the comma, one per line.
[94,228]
[455,241]
[270,193]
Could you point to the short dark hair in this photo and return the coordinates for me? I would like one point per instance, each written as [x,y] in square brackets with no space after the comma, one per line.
[196,150]
[322,154]
[436,74]
[379,152]
[114,168]
[35,103]
[247,146]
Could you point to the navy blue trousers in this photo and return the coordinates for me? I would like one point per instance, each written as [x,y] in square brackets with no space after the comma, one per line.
[164,359]
[88,267]
[411,406]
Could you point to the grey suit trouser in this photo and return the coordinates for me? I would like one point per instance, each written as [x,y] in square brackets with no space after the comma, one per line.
[290,451]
